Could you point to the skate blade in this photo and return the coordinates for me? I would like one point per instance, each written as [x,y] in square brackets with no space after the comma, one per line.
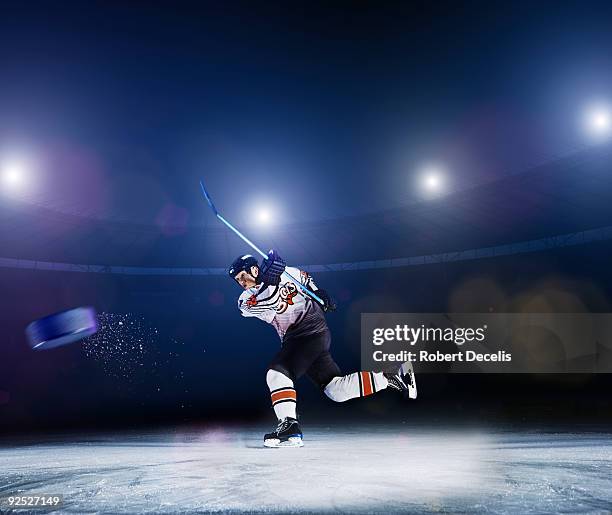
[412,392]
[291,442]
[406,369]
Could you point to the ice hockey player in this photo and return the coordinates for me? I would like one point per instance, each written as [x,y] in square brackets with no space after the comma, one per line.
[305,337]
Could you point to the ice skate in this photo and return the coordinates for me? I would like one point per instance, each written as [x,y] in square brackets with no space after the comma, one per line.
[287,434]
[404,380]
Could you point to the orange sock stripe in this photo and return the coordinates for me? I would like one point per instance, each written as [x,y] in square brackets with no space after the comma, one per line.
[284,395]
[366,379]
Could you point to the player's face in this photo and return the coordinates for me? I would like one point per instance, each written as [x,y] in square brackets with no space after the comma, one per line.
[247,280]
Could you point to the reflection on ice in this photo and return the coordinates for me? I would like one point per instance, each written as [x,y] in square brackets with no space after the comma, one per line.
[366,470]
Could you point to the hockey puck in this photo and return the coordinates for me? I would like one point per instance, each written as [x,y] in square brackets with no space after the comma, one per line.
[61,328]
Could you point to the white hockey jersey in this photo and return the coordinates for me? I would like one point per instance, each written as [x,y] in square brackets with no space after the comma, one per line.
[285,306]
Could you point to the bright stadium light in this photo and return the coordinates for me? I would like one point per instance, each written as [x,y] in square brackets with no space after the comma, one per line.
[263,216]
[432,180]
[262,213]
[13,175]
[599,121]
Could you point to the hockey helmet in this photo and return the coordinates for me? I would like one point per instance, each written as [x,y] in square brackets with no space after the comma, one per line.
[242,263]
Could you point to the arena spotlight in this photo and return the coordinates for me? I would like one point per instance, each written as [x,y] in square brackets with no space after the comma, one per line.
[599,121]
[263,216]
[13,175]
[432,180]
[261,213]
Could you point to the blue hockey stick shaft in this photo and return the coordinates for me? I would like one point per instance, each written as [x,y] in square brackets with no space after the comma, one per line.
[286,274]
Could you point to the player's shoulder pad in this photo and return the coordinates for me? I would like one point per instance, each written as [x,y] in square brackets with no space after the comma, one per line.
[295,272]
[243,298]
[301,275]
[247,299]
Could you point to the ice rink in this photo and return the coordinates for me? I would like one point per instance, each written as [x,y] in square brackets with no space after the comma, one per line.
[365,470]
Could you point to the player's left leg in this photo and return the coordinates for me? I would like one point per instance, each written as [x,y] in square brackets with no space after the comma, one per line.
[339,388]
[357,384]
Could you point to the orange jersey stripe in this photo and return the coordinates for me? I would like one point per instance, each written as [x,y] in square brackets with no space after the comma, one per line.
[284,395]
[366,378]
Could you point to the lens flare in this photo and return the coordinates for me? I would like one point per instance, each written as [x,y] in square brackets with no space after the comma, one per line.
[432,180]
[598,121]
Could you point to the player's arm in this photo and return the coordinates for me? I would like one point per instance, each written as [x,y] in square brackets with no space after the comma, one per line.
[249,307]
[272,268]
[306,279]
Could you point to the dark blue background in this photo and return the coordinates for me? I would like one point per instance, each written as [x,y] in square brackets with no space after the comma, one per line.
[224,357]
[340,103]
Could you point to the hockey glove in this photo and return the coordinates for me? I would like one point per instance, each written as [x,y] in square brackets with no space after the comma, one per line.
[329,304]
[272,267]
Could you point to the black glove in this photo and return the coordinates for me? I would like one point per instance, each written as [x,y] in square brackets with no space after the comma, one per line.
[329,304]
[271,269]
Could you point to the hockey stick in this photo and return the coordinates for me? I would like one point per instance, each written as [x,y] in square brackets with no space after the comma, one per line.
[285,274]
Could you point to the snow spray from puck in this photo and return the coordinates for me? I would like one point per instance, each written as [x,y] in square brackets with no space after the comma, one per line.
[61,328]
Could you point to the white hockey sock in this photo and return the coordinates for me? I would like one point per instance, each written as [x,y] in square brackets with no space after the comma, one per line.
[282,392]
[358,384]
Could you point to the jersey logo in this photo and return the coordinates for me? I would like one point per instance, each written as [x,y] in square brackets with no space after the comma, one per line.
[251,301]
[286,294]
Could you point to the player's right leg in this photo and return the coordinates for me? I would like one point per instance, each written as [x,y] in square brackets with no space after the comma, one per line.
[284,401]
[291,362]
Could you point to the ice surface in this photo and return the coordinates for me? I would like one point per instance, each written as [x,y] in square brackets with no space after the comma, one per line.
[365,470]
